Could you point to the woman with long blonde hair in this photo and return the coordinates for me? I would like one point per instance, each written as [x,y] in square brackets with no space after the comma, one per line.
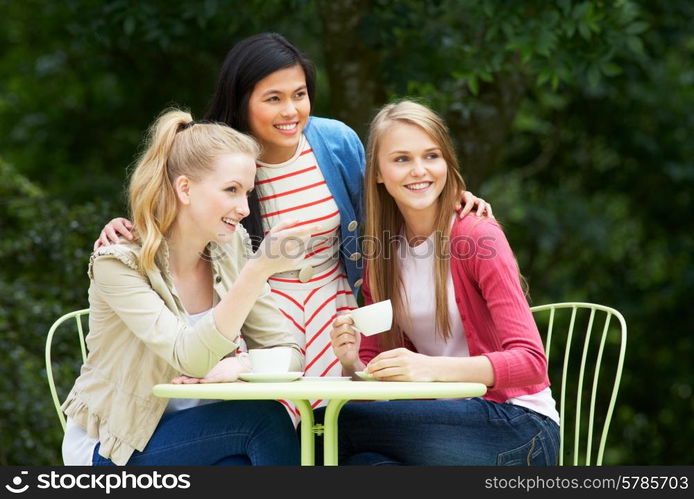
[460,314]
[171,304]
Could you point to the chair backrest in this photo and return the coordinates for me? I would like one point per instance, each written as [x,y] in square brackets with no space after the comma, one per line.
[583,352]
[77,315]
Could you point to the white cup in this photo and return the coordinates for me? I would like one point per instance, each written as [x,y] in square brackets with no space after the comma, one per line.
[373,319]
[270,360]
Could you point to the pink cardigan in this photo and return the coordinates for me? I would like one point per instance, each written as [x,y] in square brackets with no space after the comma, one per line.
[495,313]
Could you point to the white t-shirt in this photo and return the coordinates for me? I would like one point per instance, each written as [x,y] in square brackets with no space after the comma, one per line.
[418,278]
[78,446]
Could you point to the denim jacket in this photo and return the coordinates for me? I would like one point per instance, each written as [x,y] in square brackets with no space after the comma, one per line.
[340,156]
[139,337]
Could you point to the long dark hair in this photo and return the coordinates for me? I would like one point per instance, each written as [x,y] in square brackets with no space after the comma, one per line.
[248,62]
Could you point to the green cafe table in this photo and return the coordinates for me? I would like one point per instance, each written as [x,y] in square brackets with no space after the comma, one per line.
[336,393]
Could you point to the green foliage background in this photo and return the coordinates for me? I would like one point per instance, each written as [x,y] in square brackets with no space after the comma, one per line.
[574,118]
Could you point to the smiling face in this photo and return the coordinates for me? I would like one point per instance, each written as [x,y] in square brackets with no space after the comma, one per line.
[278,109]
[219,200]
[412,169]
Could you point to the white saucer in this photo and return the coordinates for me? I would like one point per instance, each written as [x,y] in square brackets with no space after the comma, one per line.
[271,377]
[366,377]
[326,378]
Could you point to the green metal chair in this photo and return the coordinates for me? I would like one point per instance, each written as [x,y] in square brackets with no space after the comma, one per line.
[77,315]
[609,360]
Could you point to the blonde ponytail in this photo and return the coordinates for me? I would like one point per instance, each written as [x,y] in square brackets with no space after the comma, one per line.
[175,146]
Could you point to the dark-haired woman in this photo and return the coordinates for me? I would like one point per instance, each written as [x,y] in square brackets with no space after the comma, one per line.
[310,168]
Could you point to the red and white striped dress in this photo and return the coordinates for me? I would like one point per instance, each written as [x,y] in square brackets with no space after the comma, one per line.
[297,189]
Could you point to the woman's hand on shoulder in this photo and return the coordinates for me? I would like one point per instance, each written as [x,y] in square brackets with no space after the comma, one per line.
[113,231]
[402,364]
[469,202]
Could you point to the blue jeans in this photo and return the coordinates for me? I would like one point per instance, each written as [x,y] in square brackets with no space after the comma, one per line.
[445,432]
[233,432]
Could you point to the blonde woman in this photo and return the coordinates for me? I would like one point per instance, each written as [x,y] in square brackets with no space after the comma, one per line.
[173,303]
[460,314]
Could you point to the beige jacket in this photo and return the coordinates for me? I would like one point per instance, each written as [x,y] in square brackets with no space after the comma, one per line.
[139,337]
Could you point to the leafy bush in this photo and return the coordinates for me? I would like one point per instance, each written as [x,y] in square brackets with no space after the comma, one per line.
[44,250]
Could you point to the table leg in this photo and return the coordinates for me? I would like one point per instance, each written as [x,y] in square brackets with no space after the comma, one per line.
[307,438]
[332,411]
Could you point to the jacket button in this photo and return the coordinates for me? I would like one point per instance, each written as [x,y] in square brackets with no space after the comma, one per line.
[352,226]
[358,283]
[218,279]
[355,256]
[306,273]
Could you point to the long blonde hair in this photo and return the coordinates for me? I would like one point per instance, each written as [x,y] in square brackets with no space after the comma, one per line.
[384,221]
[175,145]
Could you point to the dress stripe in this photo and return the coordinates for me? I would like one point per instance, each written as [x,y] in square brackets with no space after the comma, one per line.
[310,295]
[286,296]
[324,304]
[319,219]
[326,232]
[327,323]
[293,191]
[293,321]
[314,252]
[298,172]
[315,359]
[332,364]
[290,407]
[294,208]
